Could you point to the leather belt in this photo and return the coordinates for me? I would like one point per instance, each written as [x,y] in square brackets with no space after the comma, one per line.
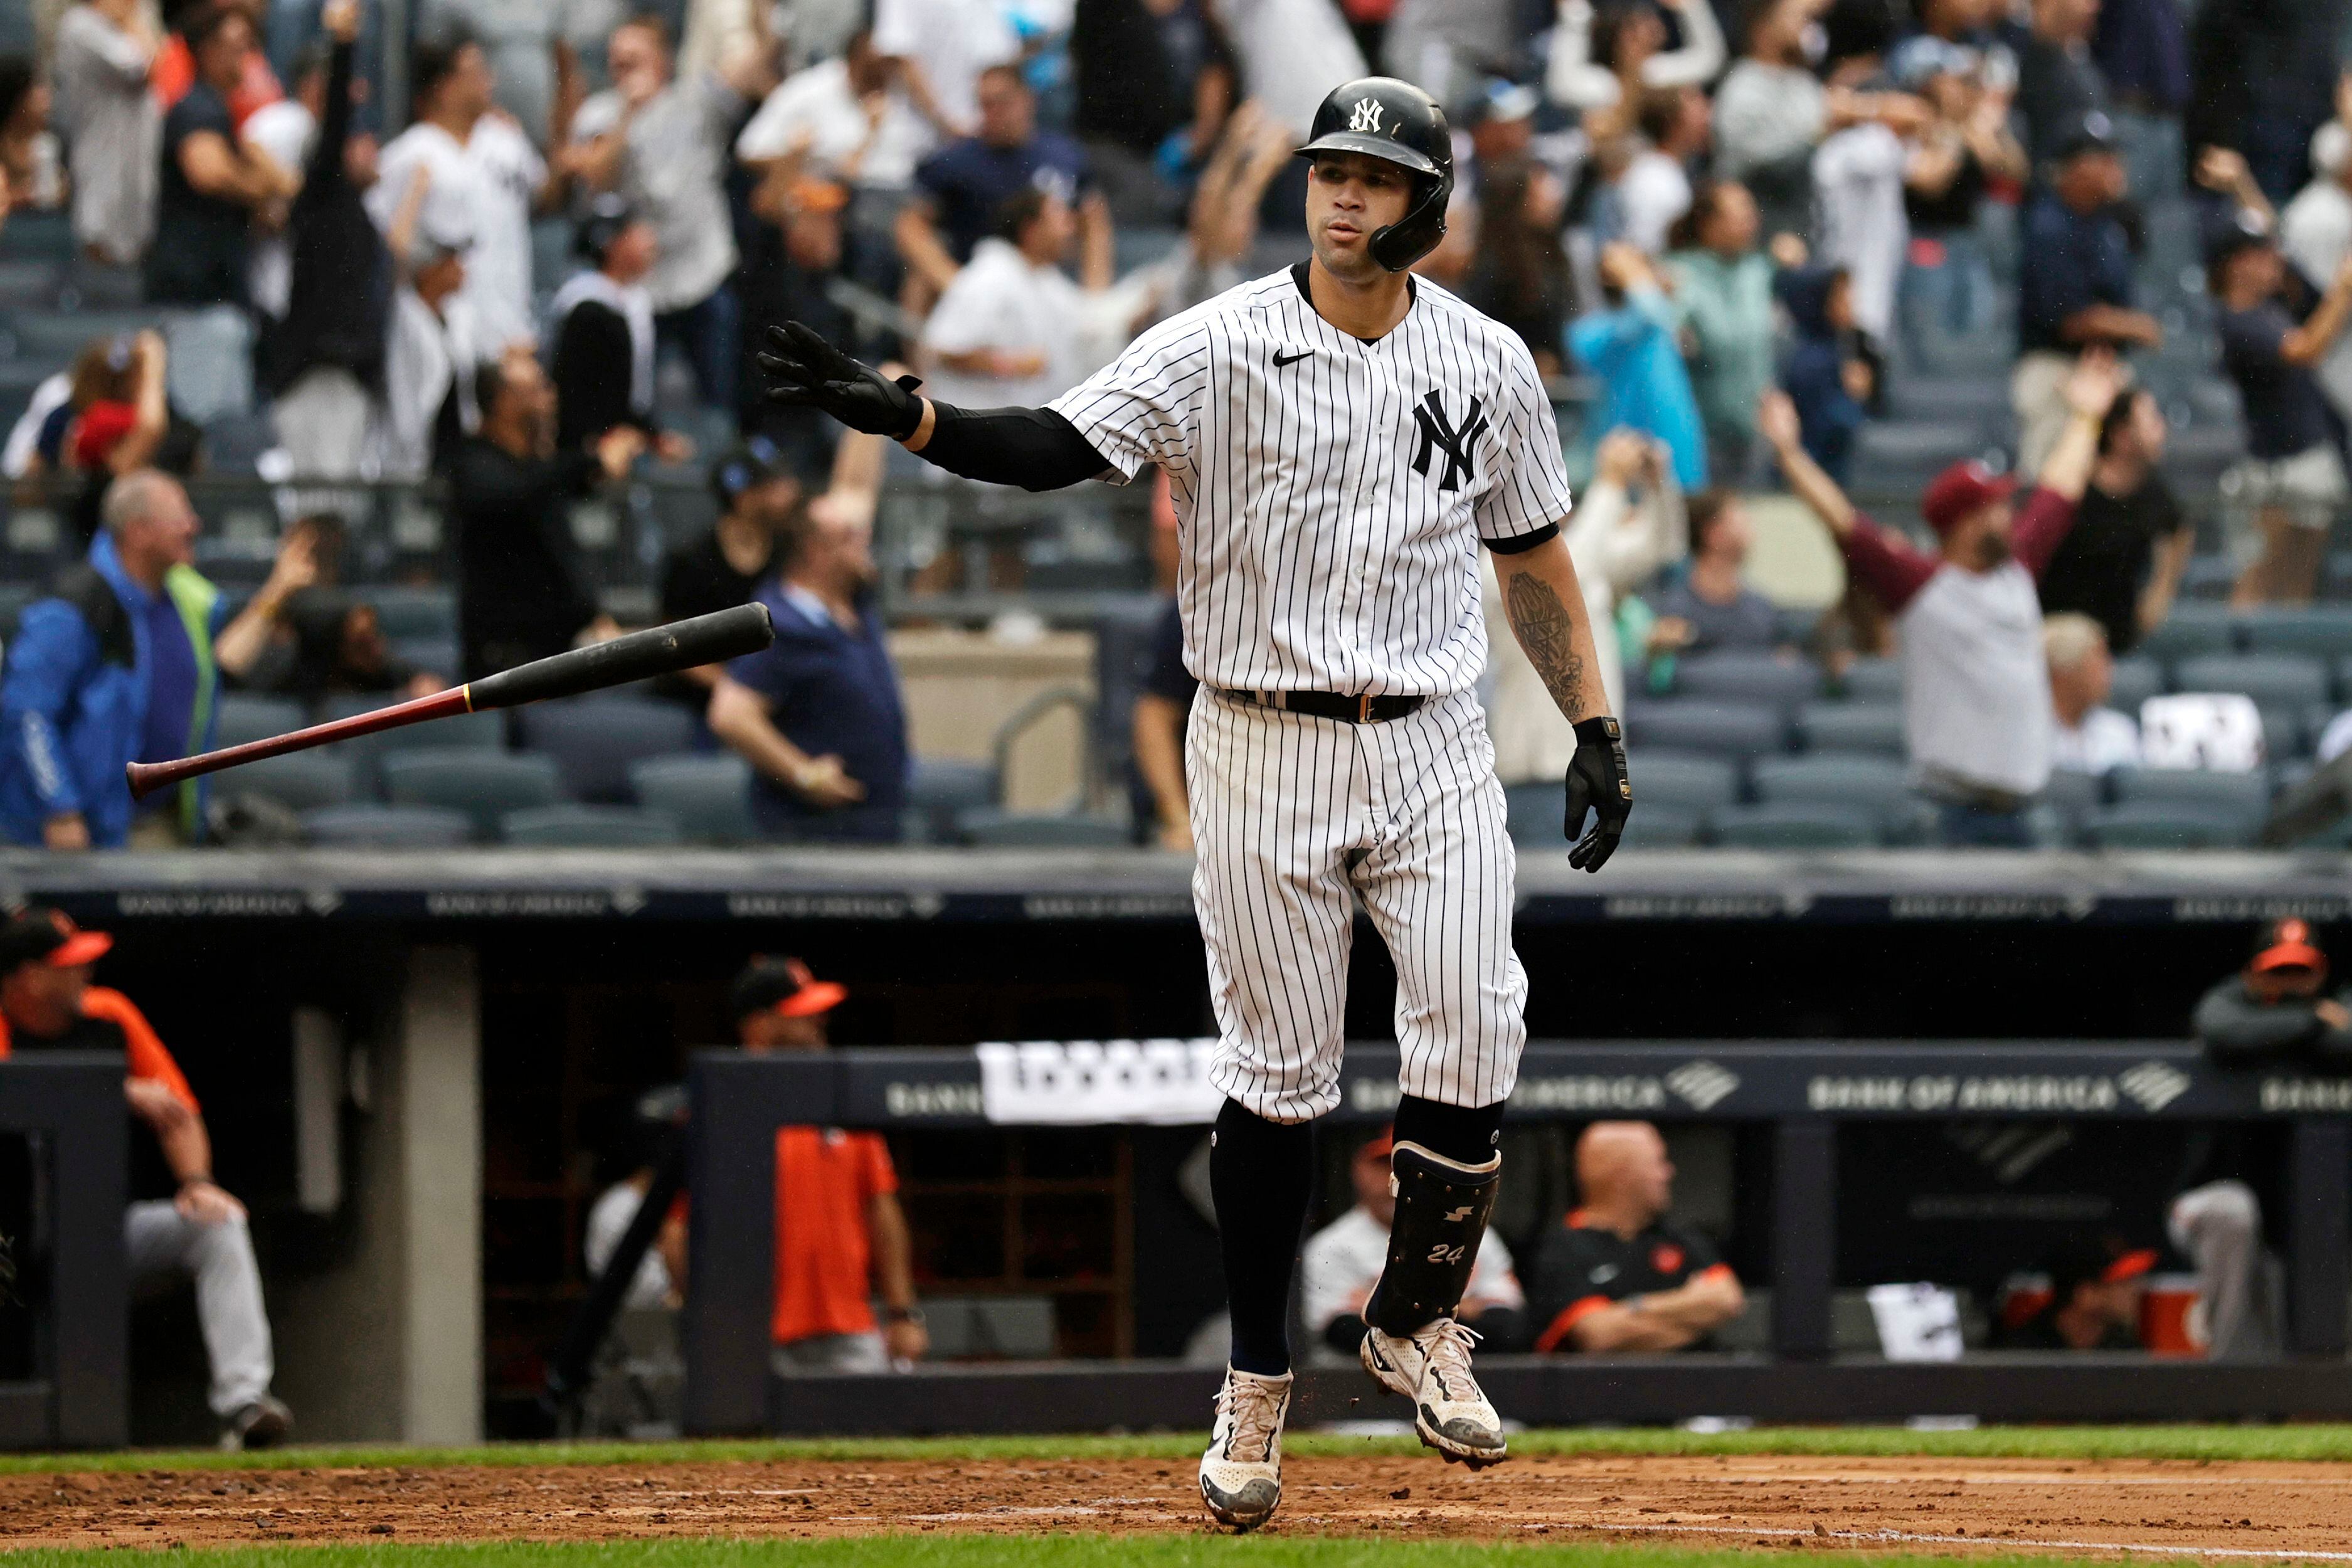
[1348,710]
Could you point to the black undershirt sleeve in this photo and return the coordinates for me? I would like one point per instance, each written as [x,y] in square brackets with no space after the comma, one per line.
[1520,543]
[1035,449]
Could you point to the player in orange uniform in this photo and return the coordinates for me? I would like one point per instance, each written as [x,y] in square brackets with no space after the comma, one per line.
[46,1002]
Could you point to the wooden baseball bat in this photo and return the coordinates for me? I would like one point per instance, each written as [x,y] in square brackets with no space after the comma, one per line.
[639,656]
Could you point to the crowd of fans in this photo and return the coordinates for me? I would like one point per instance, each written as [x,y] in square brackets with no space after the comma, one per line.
[1741,226]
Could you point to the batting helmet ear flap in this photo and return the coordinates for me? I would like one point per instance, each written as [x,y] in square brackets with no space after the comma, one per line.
[1399,244]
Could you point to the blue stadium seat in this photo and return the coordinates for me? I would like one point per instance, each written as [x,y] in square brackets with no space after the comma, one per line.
[940,788]
[1876,785]
[1875,729]
[2070,797]
[430,656]
[1746,678]
[1723,728]
[708,795]
[2272,680]
[297,781]
[590,827]
[2193,630]
[1532,814]
[594,739]
[1655,826]
[1679,779]
[484,785]
[2164,825]
[1040,830]
[1795,824]
[2136,680]
[246,717]
[2320,631]
[1874,679]
[403,612]
[365,826]
[2245,798]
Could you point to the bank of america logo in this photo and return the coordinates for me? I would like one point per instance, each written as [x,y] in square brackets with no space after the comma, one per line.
[2153,1085]
[1366,115]
[1703,1083]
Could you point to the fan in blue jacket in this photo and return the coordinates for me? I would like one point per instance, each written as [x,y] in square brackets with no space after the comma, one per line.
[116,665]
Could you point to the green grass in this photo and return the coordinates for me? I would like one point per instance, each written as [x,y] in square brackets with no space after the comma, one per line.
[946,1551]
[2313,1443]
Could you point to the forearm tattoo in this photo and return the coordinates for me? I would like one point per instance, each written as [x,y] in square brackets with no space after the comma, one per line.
[1548,635]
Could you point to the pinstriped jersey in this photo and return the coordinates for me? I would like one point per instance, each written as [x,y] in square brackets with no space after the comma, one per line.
[1331,492]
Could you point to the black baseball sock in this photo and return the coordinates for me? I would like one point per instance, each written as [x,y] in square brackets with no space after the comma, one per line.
[1261,1174]
[1464,1134]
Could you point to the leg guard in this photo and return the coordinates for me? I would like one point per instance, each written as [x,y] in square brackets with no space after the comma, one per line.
[1441,1209]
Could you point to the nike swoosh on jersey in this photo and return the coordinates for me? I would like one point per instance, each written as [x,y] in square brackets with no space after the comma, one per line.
[1281,359]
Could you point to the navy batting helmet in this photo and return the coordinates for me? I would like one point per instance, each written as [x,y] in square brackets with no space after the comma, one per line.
[1393,121]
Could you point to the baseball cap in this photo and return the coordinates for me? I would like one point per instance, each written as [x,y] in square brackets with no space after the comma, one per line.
[1960,490]
[747,466]
[2095,133]
[1380,1147]
[2287,944]
[39,934]
[1502,102]
[2233,232]
[1917,61]
[2089,1259]
[602,224]
[784,986]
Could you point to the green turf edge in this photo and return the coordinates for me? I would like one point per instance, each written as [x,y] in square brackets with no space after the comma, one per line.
[2305,1443]
[946,1550]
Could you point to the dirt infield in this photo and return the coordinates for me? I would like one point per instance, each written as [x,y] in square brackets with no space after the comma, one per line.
[2249,1510]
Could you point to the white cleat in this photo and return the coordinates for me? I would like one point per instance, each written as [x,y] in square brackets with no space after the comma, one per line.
[1241,1475]
[1432,1368]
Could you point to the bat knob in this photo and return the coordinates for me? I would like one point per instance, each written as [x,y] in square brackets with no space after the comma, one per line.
[142,779]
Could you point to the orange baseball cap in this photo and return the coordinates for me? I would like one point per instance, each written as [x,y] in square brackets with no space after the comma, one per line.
[785,987]
[1380,1147]
[2287,944]
[39,934]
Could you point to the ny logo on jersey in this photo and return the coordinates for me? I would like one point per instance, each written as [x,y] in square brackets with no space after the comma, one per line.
[1456,441]
[1366,115]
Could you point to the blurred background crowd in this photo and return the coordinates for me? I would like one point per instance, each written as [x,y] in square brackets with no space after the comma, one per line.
[351,348]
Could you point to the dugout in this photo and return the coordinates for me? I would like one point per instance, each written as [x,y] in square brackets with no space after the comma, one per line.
[413,1063]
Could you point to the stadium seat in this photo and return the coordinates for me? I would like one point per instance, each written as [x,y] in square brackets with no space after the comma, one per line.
[707,795]
[485,785]
[484,731]
[2067,799]
[1722,728]
[1746,678]
[1652,825]
[594,739]
[2320,631]
[989,827]
[366,827]
[2272,680]
[2163,824]
[1532,814]
[590,827]
[938,788]
[1873,680]
[2193,630]
[431,655]
[1877,785]
[1795,824]
[1875,729]
[298,781]
[244,717]
[14,597]
[1677,779]
[2245,796]
[2136,680]
[404,613]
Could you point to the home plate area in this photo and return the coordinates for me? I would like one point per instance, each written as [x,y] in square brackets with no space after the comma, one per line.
[1957,1507]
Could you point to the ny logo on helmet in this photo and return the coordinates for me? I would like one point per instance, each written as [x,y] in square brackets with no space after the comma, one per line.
[1456,441]
[1366,116]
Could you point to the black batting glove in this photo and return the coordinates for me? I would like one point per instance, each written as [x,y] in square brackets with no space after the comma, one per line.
[803,371]
[1597,782]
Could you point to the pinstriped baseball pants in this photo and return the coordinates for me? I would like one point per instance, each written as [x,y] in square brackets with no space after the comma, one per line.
[1293,818]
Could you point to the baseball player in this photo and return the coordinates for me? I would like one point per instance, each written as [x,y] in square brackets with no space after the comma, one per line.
[1340,438]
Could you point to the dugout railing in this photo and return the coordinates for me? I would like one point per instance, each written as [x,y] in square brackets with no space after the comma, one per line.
[65,1151]
[1803,1092]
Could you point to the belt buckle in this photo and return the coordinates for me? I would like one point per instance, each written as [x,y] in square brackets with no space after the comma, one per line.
[1364,709]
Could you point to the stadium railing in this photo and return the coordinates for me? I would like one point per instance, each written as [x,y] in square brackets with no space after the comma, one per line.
[68,1310]
[1804,1090]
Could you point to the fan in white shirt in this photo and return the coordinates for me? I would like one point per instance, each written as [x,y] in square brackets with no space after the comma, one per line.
[940,48]
[845,120]
[1011,329]
[2086,736]
[487,178]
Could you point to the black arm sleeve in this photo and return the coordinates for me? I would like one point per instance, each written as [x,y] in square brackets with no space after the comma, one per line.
[1035,449]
